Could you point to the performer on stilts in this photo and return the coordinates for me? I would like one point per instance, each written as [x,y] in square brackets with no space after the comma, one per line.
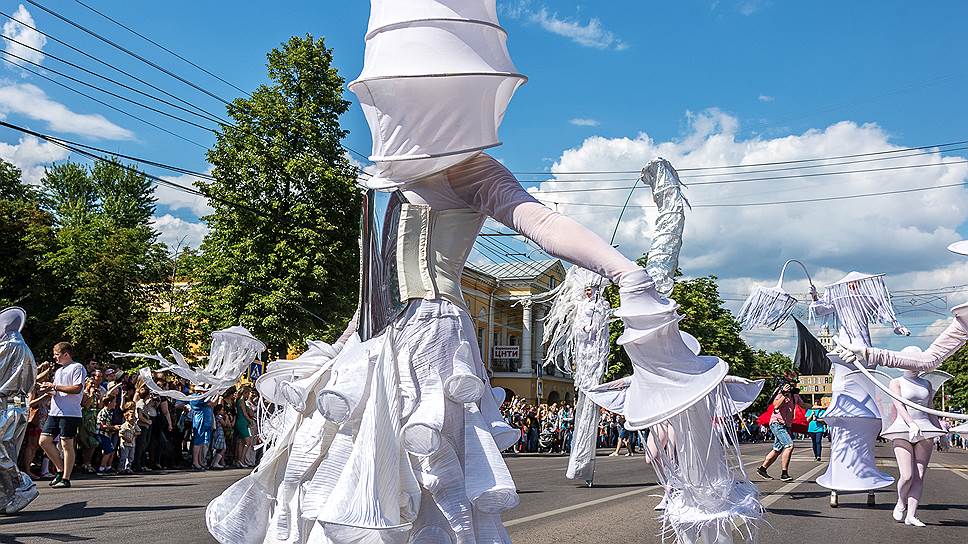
[400,434]
[18,372]
[576,334]
[853,417]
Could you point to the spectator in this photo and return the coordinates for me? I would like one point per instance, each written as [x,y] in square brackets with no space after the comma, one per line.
[202,422]
[816,429]
[37,406]
[218,439]
[128,434]
[243,434]
[65,413]
[107,434]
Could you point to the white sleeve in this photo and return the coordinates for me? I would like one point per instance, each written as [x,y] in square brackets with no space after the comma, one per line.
[486,186]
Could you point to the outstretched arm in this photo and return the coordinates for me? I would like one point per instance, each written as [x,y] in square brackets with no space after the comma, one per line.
[943,347]
[487,186]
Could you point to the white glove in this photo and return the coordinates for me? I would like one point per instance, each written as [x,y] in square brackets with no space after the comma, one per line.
[850,352]
[914,432]
[901,330]
[736,379]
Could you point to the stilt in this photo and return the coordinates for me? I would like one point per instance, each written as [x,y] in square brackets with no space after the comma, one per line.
[833,499]
[870,498]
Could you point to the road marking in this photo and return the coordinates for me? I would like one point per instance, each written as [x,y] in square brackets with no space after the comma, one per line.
[957,471]
[557,511]
[565,509]
[807,477]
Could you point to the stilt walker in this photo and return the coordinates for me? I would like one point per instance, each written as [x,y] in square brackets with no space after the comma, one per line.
[18,372]
[576,334]
[853,417]
[399,438]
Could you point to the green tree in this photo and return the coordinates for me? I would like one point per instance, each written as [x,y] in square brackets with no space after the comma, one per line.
[106,255]
[956,389]
[26,238]
[286,265]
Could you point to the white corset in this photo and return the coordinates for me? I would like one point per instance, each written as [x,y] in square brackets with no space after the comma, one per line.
[432,246]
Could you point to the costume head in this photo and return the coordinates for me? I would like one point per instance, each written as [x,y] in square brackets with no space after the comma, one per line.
[436,80]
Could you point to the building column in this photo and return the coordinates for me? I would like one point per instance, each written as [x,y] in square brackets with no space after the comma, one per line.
[526,337]
[489,341]
[539,313]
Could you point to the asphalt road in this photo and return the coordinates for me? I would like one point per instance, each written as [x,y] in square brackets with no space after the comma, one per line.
[169,508]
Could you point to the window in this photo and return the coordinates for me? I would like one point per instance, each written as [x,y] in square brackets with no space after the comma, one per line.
[552,282]
[512,340]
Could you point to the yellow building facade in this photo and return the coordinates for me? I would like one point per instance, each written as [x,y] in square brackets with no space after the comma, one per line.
[510,326]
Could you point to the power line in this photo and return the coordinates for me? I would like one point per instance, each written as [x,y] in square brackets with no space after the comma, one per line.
[204,115]
[773,163]
[105,91]
[103,103]
[156,44]
[127,51]
[768,178]
[107,64]
[788,168]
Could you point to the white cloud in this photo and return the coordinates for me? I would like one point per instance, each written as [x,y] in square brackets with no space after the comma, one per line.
[175,231]
[32,156]
[903,235]
[176,199]
[749,7]
[765,98]
[28,36]
[591,34]
[583,122]
[30,101]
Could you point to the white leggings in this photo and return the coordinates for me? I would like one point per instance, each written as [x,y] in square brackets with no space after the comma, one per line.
[912,462]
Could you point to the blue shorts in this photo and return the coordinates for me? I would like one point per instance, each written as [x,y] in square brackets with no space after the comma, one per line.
[107,444]
[781,436]
[202,436]
[63,426]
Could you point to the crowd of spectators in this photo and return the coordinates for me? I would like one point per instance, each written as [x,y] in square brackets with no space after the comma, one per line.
[549,428]
[114,423]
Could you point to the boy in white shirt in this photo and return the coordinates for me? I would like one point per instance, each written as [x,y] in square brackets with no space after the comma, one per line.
[64,417]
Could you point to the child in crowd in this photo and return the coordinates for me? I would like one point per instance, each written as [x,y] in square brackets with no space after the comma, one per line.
[107,433]
[129,434]
[218,440]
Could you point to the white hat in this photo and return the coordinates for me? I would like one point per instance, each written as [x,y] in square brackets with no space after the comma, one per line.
[960,247]
[12,319]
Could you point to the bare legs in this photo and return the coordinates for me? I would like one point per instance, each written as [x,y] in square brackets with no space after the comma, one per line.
[64,462]
[912,462]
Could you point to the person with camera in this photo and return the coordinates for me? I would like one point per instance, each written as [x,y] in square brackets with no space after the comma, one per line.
[784,404]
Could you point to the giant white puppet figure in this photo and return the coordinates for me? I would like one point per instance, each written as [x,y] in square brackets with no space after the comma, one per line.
[576,331]
[852,304]
[399,435]
[17,374]
[231,353]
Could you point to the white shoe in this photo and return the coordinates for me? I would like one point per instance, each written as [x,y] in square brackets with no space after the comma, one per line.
[899,513]
[911,520]
[662,503]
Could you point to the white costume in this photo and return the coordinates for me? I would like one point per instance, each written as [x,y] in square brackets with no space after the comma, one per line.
[229,356]
[17,375]
[399,434]
[576,332]
[852,303]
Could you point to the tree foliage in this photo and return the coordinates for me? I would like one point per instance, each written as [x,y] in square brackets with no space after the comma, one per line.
[286,265]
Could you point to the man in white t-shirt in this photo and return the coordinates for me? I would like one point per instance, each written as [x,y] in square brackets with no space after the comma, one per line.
[64,417]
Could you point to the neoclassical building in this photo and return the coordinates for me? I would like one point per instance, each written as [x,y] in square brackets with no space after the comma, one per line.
[509,326]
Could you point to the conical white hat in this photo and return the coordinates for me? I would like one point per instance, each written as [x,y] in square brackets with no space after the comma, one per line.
[12,319]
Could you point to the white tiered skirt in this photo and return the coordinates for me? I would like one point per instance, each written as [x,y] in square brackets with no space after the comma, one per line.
[400,441]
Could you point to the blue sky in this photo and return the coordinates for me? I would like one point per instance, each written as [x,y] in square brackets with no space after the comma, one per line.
[612,84]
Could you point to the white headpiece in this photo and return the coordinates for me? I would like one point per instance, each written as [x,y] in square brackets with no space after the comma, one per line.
[436,80]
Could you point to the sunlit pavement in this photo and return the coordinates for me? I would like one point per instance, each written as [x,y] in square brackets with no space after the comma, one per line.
[169,507]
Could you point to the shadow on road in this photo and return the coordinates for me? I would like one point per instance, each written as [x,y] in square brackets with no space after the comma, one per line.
[56,537]
[80,510]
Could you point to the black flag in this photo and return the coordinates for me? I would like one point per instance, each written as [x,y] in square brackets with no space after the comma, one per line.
[811,358]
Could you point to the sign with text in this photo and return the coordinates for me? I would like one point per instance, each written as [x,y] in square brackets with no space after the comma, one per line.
[507,352]
[818,385]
